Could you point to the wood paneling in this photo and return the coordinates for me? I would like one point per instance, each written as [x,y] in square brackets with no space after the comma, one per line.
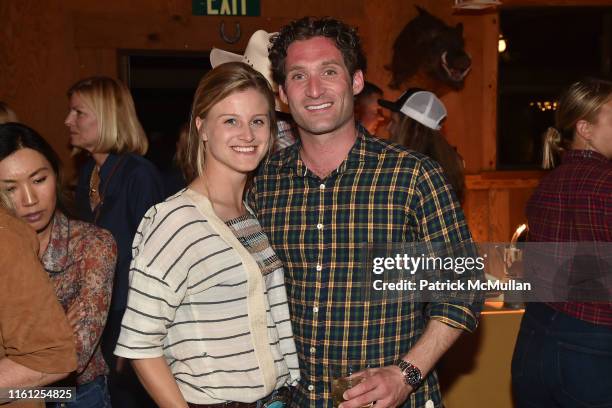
[47,46]
[476,207]
[495,203]
[36,65]
[163,32]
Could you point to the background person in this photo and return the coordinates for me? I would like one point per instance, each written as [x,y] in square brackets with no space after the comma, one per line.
[207,320]
[79,257]
[36,343]
[415,123]
[563,353]
[367,110]
[116,187]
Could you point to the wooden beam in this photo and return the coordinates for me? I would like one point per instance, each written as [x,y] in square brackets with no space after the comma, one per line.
[169,32]
[554,3]
[503,180]
[176,32]
[490,38]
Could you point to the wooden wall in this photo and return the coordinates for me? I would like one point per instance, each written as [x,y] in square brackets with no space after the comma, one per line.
[47,46]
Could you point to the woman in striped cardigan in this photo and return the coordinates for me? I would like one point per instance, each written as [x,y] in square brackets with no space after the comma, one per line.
[207,319]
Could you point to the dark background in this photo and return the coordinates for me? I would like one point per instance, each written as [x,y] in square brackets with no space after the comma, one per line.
[547,49]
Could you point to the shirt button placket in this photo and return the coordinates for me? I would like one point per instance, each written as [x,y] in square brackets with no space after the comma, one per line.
[319,268]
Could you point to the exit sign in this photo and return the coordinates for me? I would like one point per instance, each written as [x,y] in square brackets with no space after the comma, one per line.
[226,8]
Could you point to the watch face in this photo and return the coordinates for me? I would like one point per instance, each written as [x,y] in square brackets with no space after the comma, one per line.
[413,375]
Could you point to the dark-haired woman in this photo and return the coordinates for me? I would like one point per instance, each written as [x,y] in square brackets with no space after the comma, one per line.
[416,120]
[79,257]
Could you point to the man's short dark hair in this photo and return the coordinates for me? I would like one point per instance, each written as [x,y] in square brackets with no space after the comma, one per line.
[344,36]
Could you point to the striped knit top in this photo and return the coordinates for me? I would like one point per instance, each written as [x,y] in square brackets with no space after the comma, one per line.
[210,298]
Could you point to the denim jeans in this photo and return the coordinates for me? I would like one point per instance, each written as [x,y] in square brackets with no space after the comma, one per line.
[93,394]
[561,361]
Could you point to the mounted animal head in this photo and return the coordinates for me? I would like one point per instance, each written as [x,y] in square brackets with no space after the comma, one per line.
[429,47]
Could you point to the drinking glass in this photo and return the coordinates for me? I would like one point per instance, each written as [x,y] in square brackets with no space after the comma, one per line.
[344,377]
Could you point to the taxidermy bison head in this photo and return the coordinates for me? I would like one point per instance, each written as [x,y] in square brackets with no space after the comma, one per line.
[429,47]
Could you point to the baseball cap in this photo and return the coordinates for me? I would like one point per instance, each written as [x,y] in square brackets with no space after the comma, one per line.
[422,106]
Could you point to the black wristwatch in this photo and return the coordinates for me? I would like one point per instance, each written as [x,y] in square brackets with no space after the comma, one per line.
[412,375]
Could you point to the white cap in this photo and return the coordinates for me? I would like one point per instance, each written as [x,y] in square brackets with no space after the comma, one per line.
[422,106]
[425,108]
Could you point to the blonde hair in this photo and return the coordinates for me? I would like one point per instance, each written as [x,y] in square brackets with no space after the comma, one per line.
[7,114]
[215,86]
[118,126]
[581,101]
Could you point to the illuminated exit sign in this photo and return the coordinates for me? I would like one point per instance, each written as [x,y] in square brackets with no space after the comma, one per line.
[226,8]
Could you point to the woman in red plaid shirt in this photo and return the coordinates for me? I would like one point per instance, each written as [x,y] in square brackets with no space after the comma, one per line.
[563,354]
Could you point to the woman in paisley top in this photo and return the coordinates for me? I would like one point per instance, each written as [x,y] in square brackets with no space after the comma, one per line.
[79,257]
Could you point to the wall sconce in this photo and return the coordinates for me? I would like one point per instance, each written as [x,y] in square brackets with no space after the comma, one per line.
[501,44]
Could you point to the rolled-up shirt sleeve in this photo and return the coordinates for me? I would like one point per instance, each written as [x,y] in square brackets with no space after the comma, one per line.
[153,297]
[457,315]
[151,307]
[441,219]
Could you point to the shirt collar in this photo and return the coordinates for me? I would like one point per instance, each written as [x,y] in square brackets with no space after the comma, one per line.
[576,156]
[290,157]
[108,165]
[55,257]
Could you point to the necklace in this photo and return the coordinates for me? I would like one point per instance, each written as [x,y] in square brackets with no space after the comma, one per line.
[97,192]
[94,188]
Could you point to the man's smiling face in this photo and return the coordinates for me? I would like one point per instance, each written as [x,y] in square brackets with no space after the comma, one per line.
[319,89]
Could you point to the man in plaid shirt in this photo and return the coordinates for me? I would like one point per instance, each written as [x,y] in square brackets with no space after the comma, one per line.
[336,189]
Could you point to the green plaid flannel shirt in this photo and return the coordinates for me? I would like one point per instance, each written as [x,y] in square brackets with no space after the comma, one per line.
[381,193]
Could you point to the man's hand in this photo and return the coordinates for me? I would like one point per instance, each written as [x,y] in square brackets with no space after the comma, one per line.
[384,385]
